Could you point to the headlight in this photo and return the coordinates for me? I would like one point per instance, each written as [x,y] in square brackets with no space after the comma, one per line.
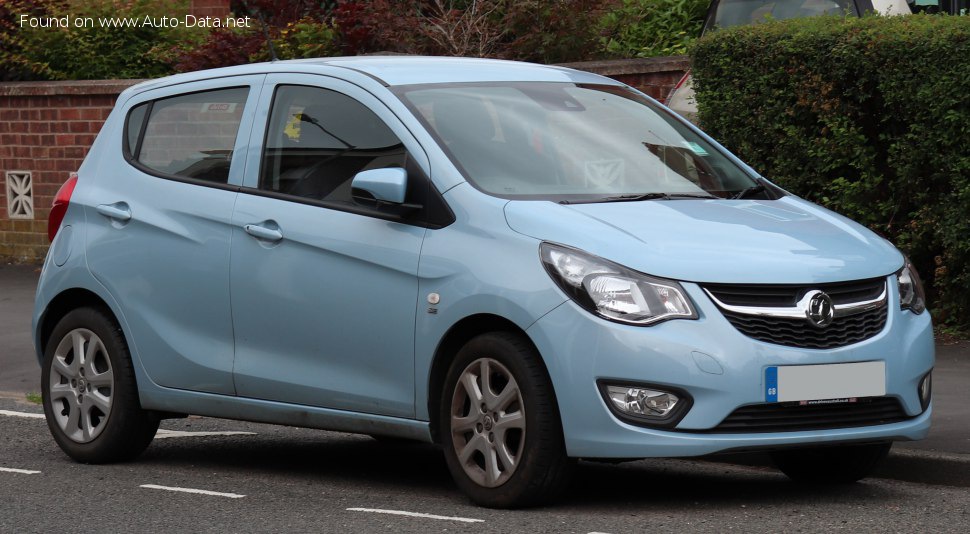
[911,293]
[613,291]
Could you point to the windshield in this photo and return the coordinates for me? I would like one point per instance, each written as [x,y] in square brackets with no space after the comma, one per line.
[567,142]
[742,12]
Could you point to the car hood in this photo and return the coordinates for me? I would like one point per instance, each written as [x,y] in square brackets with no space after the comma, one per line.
[784,241]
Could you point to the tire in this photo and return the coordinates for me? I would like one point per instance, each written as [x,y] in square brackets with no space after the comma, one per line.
[91,402]
[843,464]
[503,442]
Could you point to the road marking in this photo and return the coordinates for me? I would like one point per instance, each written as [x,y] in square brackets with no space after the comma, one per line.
[416,514]
[21,471]
[192,490]
[22,414]
[162,434]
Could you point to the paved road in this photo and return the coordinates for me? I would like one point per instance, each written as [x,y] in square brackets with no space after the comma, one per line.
[304,480]
[19,371]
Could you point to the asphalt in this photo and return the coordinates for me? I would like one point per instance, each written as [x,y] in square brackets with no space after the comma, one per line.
[284,479]
[19,370]
[942,458]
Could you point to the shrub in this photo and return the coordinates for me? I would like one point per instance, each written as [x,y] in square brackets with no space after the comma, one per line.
[14,63]
[867,116]
[559,31]
[306,38]
[377,26]
[222,47]
[546,31]
[100,51]
[471,30]
[279,13]
[297,28]
[648,28]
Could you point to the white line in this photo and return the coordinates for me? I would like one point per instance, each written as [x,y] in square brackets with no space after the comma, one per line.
[191,490]
[162,434]
[21,471]
[22,414]
[416,514]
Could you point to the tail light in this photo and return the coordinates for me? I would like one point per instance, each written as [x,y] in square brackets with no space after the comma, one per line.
[677,87]
[61,201]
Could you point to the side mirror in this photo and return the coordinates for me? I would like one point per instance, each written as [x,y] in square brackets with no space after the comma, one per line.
[385,185]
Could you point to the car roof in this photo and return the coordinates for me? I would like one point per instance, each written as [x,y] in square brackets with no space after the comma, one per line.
[403,70]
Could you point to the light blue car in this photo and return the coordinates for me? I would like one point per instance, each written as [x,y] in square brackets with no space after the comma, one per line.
[526,264]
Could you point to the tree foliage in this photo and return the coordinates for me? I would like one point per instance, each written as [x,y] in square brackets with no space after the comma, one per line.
[543,31]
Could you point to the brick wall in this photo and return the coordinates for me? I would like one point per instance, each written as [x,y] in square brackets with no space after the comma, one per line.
[46,129]
[655,76]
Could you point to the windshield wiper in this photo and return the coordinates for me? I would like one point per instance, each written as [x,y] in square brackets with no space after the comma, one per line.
[689,195]
[637,197]
[753,190]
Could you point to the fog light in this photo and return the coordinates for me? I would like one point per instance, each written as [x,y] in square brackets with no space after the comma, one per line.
[926,390]
[642,402]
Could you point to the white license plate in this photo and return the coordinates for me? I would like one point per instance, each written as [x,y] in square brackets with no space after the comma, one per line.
[787,383]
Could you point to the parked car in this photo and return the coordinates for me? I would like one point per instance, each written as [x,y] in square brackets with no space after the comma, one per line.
[525,264]
[727,13]
[951,7]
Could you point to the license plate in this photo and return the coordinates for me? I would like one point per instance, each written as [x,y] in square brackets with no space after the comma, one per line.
[788,383]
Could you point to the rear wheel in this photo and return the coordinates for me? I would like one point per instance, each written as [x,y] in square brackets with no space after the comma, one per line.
[500,426]
[89,392]
[831,465]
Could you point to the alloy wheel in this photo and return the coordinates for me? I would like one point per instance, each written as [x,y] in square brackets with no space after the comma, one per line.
[488,422]
[81,385]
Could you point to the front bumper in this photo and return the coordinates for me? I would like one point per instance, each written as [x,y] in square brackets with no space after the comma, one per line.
[721,368]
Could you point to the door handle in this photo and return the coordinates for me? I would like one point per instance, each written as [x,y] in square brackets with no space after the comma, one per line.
[118,211]
[262,232]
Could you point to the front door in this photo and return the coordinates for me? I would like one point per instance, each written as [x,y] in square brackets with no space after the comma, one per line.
[324,289]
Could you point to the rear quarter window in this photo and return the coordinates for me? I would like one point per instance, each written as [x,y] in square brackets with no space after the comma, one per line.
[187,136]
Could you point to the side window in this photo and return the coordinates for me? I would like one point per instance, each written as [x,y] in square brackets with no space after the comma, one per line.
[318,139]
[136,118]
[191,136]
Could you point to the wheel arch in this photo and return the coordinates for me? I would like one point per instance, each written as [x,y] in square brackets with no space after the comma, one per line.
[61,305]
[456,336]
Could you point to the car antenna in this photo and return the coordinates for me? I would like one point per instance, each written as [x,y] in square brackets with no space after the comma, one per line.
[262,22]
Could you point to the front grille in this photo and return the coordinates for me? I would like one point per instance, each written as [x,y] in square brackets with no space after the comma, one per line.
[791,417]
[799,332]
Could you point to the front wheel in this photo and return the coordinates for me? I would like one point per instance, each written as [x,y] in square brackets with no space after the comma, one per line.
[843,464]
[89,392]
[500,426]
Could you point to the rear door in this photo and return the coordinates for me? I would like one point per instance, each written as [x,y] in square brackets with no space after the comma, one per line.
[159,229]
[324,289]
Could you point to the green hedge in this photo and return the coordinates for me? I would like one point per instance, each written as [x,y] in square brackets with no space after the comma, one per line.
[867,116]
[649,28]
[98,51]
